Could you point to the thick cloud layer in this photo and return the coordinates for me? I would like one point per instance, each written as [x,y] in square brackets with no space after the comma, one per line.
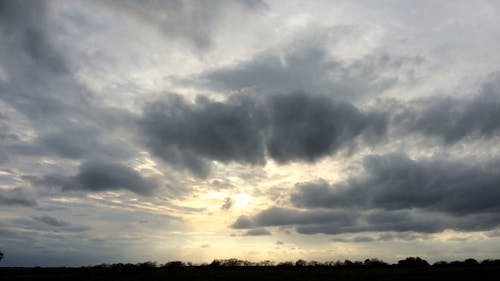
[395,193]
[455,118]
[395,182]
[309,68]
[291,127]
[303,127]
[183,134]
[354,221]
[97,175]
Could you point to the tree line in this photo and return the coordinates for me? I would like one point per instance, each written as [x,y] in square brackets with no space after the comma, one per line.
[410,262]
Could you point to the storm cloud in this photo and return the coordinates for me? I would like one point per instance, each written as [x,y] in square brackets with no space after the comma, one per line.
[310,68]
[98,175]
[452,119]
[246,128]
[395,182]
[339,221]
[394,193]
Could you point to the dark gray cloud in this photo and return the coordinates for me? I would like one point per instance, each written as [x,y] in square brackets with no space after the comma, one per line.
[309,68]
[454,118]
[17,196]
[82,142]
[282,216]
[304,127]
[257,232]
[354,221]
[395,182]
[40,86]
[183,134]
[39,83]
[288,127]
[48,220]
[99,175]
[243,222]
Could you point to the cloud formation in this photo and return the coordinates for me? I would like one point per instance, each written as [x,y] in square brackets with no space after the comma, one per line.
[51,221]
[257,232]
[309,68]
[99,175]
[245,128]
[395,182]
[452,119]
[193,20]
[395,193]
[17,196]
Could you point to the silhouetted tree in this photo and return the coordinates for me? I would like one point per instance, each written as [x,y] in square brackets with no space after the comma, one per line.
[215,263]
[490,262]
[440,264]
[470,262]
[413,262]
[265,263]
[1,255]
[146,265]
[347,263]
[300,263]
[175,264]
[374,263]
[285,264]
[314,263]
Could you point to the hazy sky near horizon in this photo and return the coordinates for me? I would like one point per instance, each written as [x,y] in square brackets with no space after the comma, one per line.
[260,130]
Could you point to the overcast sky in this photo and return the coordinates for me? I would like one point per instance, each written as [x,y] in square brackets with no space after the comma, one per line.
[195,130]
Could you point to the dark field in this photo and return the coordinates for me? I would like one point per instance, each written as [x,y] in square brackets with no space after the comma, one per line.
[256,273]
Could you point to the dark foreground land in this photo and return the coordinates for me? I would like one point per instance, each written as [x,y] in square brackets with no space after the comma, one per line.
[255,273]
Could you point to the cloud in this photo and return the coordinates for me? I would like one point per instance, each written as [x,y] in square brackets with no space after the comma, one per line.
[245,128]
[305,127]
[395,193]
[452,119]
[309,67]
[183,134]
[193,21]
[37,71]
[347,220]
[386,236]
[396,182]
[243,222]
[257,232]
[42,95]
[281,216]
[99,175]
[17,196]
[228,203]
[51,221]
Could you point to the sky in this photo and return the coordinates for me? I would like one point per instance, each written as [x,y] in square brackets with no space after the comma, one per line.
[136,131]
